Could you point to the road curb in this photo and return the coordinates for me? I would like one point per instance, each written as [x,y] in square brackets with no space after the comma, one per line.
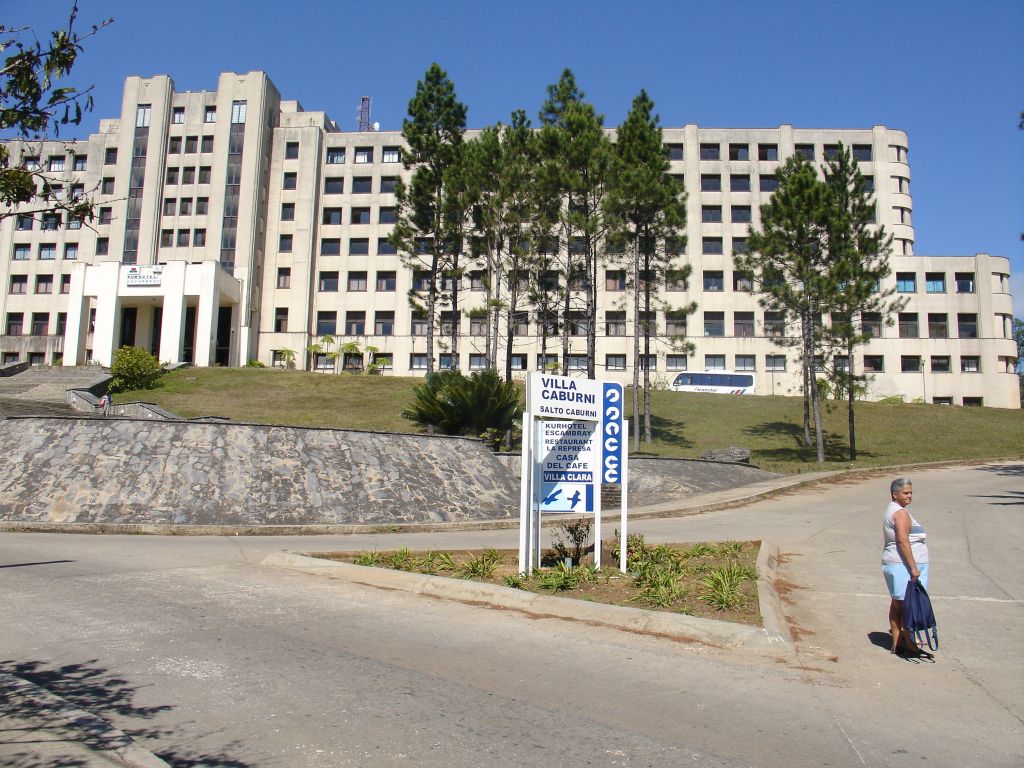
[54,712]
[676,626]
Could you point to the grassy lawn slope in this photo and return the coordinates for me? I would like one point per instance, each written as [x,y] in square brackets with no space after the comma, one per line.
[684,424]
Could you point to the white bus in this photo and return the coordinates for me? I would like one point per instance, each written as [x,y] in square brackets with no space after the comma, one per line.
[720,382]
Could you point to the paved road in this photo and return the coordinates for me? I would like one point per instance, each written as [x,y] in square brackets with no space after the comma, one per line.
[208,658]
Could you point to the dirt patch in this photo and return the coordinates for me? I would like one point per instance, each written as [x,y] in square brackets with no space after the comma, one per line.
[715,580]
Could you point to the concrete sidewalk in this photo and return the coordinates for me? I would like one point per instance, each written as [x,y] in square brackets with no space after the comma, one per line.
[41,728]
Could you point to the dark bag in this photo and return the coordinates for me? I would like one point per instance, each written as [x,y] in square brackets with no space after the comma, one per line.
[918,616]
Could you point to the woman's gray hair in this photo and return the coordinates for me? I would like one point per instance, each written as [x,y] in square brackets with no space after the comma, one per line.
[899,484]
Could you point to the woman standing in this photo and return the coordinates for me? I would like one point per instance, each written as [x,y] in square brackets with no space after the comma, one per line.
[904,558]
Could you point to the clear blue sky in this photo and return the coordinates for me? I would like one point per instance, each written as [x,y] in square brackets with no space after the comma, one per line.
[951,74]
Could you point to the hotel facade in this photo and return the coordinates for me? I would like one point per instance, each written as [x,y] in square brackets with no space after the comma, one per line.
[234,226]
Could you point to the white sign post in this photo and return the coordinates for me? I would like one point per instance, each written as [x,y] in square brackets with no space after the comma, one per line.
[573,442]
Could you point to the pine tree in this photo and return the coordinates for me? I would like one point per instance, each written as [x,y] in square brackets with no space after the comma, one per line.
[858,261]
[648,209]
[429,227]
[788,260]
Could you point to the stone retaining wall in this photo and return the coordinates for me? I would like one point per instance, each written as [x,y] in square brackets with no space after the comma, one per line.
[133,471]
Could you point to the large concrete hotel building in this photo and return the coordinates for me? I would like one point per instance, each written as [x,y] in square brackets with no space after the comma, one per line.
[234,225]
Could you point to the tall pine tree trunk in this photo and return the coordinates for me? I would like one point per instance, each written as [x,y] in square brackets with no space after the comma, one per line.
[647,349]
[431,312]
[636,345]
[592,311]
[850,395]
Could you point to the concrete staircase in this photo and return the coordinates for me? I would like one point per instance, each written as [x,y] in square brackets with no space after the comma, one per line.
[42,391]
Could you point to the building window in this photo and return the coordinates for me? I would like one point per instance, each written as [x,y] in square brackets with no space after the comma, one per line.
[908,325]
[284,244]
[326,323]
[385,247]
[910,364]
[142,115]
[714,324]
[711,245]
[387,215]
[906,282]
[40,323]
[806,151]
[518,362]
[710,152]
[674,362]
[330,246]
[740,214]
[774,324]
[419,324]
[710,182]
[210,115]
[675,322]
[335,155]
[743,324]
[183,238]
[548,362]
[447,362]
[741,281]
[174,145]
[172,178]
[615,323]
[188,175]
[775,363]
[768,152]
[191,145]
[166,238]
[360,216]
[359,246]
[356,282]
[965,282]
[328,282]
[387,184]
[384,323]
[70,251]
[714,281]
[334,186]
[291,150]
[362,185]
[202,205]
[576,362]
[178,115]
[281,320]
[363,155]
[746,362]
[714,362]
[391,155]
[862,153]
[874,364]
[675,151]
[477,362]
[19,284]
[970,364]
[418,361]
[332,216]
[386,281]
[967,326]
[102,246]
[284,277]
[15,323]
[768,183]
[614,280]
[199,237]
[287,211]
[739,151]
[940,364]
[871,324]
[22,252]
[204,174]
[831,152]
[739,183]
[170,206]
[206,144]
[290,180]
[938,325]
[935,282]
[711,214]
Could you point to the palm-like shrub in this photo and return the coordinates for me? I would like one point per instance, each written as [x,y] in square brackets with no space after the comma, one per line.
[459,405]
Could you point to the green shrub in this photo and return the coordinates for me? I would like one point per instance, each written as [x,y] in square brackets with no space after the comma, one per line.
[367,558]
[132,369]
[255,364]
[457,405]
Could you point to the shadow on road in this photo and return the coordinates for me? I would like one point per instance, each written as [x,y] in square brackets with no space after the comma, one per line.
[1006,470]
[42,562]
[90,687]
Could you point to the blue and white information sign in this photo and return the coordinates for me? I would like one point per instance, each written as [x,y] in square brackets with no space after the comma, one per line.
[573,443]
[568,466]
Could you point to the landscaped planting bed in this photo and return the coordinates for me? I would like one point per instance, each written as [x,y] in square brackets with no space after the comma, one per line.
[716,580]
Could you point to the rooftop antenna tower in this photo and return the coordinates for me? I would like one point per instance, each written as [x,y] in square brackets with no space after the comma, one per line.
[364,114]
